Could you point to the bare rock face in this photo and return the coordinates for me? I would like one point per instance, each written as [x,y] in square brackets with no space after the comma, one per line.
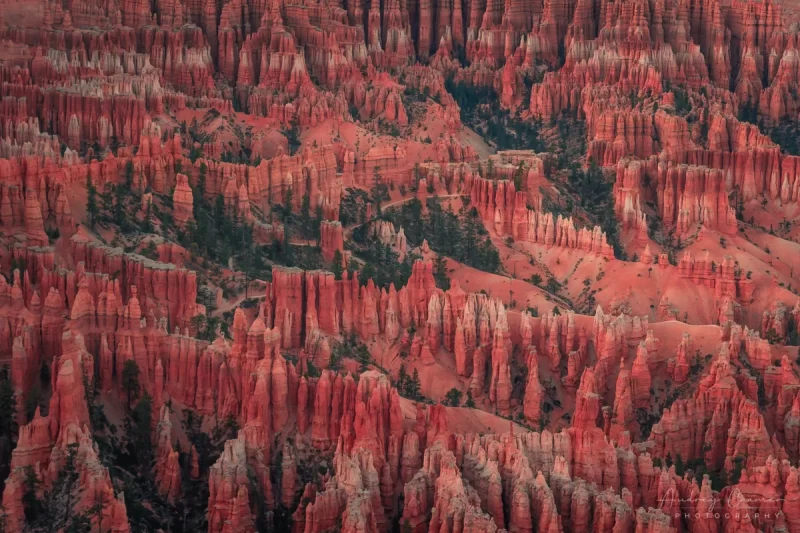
[182,200]
[533,390]
[227,482]
[500,202]
[34,225]
[587,406]
[168,472]
[168,291]
[331,239]
[289,477]
[622,414]
[640,378]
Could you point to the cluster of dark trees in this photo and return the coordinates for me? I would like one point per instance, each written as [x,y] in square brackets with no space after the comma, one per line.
[683,105]
[115,203]
[8,423]
[129,455]
[353,208]
[787,136]
[218,236]
[282,251]
[480,109]
[213,234]
[304,224]
[292,135]
[129,458]
[460,236]
[380,262]
[409,386]
[596,198]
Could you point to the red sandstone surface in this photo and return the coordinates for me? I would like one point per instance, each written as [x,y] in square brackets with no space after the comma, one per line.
[654,394]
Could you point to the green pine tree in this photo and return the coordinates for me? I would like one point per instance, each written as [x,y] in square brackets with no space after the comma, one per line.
[440,273]
[30,500]
[147,223]
[679,467]
[80,523]
[119,205]
[377,189]
[305,215]
[92,208]
[288,251]
[415,387]
[139,434]
[453,397]
[336,266]
[130,380]
[199,194]
[470,403]
[8,405]
[288,202]
[402,380]
[129,174]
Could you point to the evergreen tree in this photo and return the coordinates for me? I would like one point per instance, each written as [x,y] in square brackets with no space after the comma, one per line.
[415,387]
[33,399]
[80,523]
[679,467]
[518,176]
[470,401]
[8,426]
[107,199]
[91,202]
[138,432]
[8,423]
[288,202]
[336,266]
[199,194]
[30,500]
[440,273]
[377,192]
[553,285]
[119,205]
[129,175]
[738,464]
[130,380]
[305,215]
[402,380]
[288,252]
[147,223]
[453,397]
[317,221]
